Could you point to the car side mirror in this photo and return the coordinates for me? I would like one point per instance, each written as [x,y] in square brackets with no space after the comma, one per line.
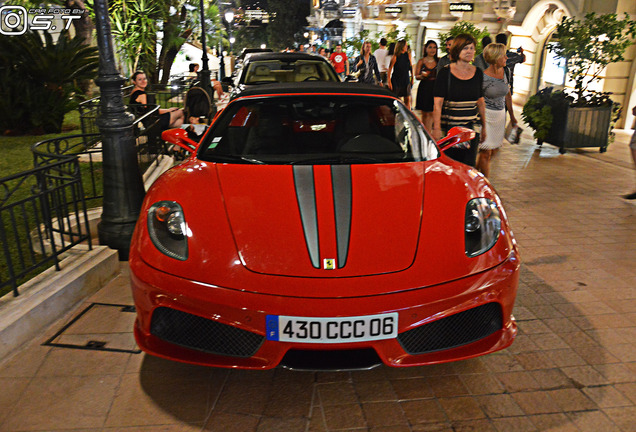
[456,135]
[179,137]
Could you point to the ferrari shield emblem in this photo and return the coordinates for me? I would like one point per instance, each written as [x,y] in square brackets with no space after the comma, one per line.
[329,264]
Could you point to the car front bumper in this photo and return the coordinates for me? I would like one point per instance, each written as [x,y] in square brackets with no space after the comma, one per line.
[225,327]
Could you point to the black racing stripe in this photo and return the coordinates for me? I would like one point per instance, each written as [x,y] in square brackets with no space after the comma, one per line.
[306,195]
[342,201]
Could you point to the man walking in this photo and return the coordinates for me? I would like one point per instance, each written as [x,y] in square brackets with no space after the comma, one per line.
[340,62]
[514,57]
[446,59]
[479,60]
[381,55]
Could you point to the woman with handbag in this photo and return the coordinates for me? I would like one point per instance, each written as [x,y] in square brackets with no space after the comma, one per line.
[367,65]
[459,98]
[497,99]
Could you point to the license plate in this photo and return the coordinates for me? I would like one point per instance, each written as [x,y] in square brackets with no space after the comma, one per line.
[332,330]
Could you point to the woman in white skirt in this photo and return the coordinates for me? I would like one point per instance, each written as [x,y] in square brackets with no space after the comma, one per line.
[497,97]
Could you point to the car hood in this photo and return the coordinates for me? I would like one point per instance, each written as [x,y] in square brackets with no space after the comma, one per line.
[324,221]
[248,226]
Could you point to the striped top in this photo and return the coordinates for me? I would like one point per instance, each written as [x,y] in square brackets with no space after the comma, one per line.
[460,97]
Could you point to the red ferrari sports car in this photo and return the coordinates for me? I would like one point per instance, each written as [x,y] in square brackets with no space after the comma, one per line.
[318,226]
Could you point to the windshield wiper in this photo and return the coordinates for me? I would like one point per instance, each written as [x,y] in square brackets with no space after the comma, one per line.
[343,160]
[234,158]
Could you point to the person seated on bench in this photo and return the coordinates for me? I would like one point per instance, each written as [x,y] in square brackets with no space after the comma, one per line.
[168,117]
[193,75]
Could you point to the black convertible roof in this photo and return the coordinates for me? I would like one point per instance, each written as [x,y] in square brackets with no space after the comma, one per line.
[261,56]
[326,87]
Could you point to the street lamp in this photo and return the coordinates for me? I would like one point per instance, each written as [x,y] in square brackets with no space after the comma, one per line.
[123,184]
[204,73]
[229,17]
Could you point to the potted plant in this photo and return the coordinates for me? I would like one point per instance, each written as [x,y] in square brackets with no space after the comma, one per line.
[465,27]
[584,118]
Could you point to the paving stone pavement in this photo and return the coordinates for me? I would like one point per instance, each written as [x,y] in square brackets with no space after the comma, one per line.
[571,368]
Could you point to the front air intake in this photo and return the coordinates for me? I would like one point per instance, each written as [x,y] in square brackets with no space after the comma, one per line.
[453,331]
[195,332]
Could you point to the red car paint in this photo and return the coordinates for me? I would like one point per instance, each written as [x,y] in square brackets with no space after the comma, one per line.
[248,258]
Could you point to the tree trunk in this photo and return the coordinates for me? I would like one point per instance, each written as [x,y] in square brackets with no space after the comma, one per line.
[83,26]
[84,29]
[162,57]
[167,56]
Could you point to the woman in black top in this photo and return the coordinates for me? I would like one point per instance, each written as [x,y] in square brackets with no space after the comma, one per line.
[400,73]
[459,98]
[426,71]
[168,118]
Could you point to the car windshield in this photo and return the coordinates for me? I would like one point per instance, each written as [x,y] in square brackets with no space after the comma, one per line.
[272,71]
[317,130]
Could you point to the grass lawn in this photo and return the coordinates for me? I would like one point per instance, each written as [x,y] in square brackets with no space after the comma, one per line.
[16,150]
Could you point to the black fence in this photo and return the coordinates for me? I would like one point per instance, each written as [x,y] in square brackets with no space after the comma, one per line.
[147,133]
[164,96]
[43,214]
[43,211]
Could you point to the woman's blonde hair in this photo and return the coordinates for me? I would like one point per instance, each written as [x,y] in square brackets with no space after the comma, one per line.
[399,47]
[494,52]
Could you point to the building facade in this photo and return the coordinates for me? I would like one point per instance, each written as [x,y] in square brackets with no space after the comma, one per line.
[529,23]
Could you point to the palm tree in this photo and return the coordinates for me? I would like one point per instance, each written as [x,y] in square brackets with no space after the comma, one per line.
[42,79]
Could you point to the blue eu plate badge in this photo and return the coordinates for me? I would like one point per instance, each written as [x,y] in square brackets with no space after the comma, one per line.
[271,322]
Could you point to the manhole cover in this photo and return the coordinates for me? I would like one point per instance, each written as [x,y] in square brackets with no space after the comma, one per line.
[100,327]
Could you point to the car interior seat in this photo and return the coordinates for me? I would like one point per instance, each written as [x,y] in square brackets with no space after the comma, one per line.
[268,136]
[306,72]
[362,134]
[261,73]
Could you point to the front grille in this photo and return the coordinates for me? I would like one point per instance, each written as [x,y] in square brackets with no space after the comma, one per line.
[453,331]
[191,331]
[365,358]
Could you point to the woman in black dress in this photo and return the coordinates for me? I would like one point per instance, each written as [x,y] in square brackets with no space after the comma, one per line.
[426,71]
[400,73]
[168,118]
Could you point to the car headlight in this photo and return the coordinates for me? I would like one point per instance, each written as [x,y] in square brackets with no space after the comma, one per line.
[481,226]
[167,229]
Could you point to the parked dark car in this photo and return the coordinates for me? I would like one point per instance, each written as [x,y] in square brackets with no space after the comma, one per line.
[270,68]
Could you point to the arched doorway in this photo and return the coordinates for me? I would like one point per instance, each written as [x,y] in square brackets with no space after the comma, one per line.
[541,67]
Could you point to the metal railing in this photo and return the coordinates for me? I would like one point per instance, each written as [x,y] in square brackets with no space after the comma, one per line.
[148,142]
[43,214]
[161,95]
[89,110]
[43,211]
[60,149]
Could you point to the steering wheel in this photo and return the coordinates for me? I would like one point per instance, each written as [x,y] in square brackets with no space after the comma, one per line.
[312,78]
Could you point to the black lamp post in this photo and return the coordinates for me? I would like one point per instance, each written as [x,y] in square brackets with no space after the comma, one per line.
[221,63]
[204,73]
[123,185]
[229,17]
